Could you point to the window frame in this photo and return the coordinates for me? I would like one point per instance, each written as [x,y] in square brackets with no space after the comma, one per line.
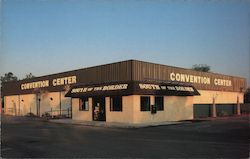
[147,107]
[112,106]
[83,101]
[162,103]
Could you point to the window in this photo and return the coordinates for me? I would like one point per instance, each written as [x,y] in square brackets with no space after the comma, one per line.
[145,103]
[84,104]
[116,103]
[159,103]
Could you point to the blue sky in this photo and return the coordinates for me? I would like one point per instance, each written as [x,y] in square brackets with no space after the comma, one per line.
[51,36]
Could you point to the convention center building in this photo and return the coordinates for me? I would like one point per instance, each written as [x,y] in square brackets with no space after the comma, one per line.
[128,92]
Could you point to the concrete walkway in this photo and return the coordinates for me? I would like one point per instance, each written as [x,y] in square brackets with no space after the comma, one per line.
[132,125]
[113,124]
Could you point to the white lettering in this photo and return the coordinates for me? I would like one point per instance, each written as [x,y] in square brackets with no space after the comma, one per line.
[172,76]
[32,85]
[189,78]
[64,80]
[222,82]
[171,87]
[181,88]
[100,88]
[149,86]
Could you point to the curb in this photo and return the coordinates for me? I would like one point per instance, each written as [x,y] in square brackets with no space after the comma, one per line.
[117,125]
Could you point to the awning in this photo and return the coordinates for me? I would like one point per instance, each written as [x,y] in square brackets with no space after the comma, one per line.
[132,88]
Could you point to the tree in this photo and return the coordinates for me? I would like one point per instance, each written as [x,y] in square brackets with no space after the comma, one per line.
[8,77]
[201,67]
[29,76]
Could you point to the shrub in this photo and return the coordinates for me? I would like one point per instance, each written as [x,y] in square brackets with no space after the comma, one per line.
[30,114]
[46,114]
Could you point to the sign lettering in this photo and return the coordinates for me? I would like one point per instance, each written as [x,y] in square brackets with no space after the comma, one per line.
[222,82]
[189,78]
[149,86]
[46,83]
[163,87]
[32,85]
[100,88]
[180,77]
[64,80]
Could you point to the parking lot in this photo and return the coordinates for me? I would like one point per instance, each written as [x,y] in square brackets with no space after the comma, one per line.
[31,137]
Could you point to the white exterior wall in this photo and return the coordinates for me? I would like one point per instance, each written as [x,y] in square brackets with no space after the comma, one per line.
[65,102]
[85,115]
[206,97]
[175,109]
[22,104]
[27,104]
[127,114]
[11,105]
[58,98]
[46,104]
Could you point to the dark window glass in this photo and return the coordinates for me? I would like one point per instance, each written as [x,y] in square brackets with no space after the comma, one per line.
[159,103]
[84,104]
[145,103]
[116,103]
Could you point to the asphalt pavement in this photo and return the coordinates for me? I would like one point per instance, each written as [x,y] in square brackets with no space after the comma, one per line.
[23,137]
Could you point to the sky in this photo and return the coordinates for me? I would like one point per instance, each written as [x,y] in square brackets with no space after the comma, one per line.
[51,36]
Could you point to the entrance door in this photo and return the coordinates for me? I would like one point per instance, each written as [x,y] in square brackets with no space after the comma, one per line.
[99,113]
